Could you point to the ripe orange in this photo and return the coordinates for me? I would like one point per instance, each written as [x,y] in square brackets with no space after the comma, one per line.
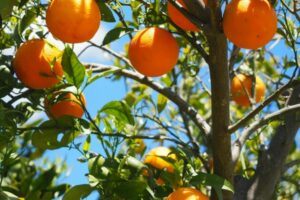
[73,21]
[179,19]
[241,87]
[185,193]
[37,64]
[157,158]
[69,105]
[153,51]
[249,24]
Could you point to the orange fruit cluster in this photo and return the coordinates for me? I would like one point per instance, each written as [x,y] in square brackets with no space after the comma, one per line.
[73,21]
[153,51]
[241,89]
[249,24]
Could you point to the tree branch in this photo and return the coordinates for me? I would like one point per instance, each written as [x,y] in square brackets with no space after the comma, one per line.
[242,122]
[111,52]
[291,164]
[220,140]
[182,104]
[233,57]
[196,13]
[198,47]
[238,144]
[271,162]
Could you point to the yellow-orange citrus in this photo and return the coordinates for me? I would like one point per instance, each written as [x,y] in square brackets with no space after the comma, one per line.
[185,193]
[73,21]
[69,105]
[241,89]
[179,19]
[157,158]
[153,51]
[37,64]
[249,24]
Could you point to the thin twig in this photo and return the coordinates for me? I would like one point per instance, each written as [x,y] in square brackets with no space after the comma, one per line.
[239,143]
[242,122]
[182,104]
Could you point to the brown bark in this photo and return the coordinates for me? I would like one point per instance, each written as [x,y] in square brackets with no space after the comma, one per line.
[271,160]
[220,138]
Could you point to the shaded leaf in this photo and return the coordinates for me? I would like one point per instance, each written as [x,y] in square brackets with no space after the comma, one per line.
[214,181]
[100,75]
[28,18]
[120,110]
[77,192]
[48,134]
[136,188]
[115,34]
[161,103]
[106,13]
[87,144]
[6,7]
[44,180]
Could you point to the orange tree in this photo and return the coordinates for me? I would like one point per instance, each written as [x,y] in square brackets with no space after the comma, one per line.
[220,139]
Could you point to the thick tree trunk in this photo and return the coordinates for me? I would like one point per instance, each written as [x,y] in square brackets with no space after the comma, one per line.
[220,138]
[271,161]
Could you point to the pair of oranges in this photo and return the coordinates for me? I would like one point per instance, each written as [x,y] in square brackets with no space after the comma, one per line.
[157,158]
[249,24]
[37,64]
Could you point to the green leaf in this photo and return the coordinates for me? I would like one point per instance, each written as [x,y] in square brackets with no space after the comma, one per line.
[28,18]
[74,70]
[119,110]
[95,166]
[161,102]
[7,196]
[48,134]
[214,181]
[6,81]
[131,189]
[100,75]
[6,40]
[77,192]
[44,180]
[6,7]
[87,144]
[106,13]
[135,163]
[23,3]
[60,189]
[115,34]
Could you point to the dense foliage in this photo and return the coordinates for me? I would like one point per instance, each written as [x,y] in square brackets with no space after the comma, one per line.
[180,110]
